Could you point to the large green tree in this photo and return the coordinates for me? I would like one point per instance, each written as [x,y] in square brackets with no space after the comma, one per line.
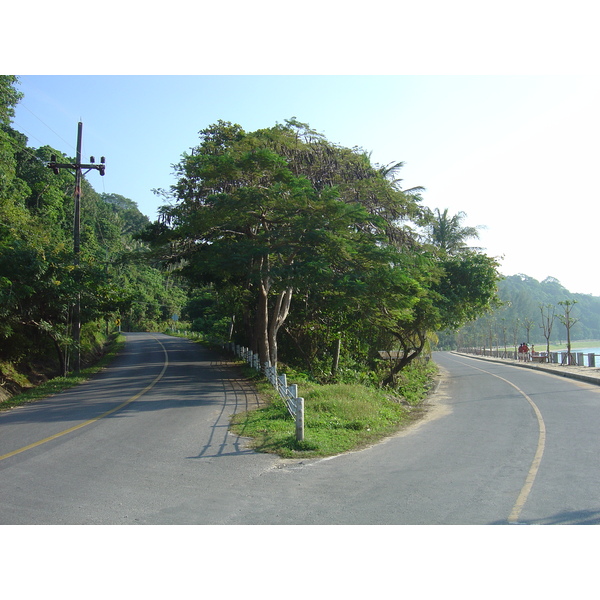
[279,212]
[282,213]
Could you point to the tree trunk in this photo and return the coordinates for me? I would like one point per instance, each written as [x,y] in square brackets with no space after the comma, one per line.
[262,325]
[61,356]
[59,351]
[398,366]
[406,359]
[231,327]
[277,318]
[336,355]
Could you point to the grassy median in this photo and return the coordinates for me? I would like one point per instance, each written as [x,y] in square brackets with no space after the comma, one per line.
[337,417]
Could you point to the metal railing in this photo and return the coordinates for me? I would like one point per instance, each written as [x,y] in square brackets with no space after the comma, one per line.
[579,359]
[289,393]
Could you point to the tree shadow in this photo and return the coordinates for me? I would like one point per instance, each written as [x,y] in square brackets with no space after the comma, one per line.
[575,517]
[193,377]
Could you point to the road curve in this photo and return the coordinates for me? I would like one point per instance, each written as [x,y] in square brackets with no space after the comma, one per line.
[147,442]
[129,441]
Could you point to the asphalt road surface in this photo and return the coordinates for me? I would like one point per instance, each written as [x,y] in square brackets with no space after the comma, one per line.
[147,442]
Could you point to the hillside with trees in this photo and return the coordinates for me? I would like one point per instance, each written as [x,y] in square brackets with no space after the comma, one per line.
[277,239]
[527,308]
[39,279]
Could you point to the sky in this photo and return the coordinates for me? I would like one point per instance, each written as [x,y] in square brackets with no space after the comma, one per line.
[517,153]
[492,107]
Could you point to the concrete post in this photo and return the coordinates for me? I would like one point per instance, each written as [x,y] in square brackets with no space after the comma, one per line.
[299,419]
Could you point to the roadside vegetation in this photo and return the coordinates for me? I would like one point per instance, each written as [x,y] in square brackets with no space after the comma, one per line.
[40,277]
[338,417]
[32,393]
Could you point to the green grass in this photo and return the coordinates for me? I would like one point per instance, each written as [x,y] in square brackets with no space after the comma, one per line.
[337,418]
[59,384]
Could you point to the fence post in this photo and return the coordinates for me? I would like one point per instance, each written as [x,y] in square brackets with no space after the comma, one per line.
[591,359]
[299,419]
[282,383]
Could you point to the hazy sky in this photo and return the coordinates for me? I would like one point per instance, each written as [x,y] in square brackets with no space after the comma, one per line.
[518,154]
[493,107]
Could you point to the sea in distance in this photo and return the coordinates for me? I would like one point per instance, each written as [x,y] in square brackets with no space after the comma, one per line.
[585,351]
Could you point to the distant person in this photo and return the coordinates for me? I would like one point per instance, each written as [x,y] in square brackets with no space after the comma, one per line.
[523,352]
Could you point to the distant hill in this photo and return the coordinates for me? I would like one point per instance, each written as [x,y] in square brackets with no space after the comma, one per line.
[520,317]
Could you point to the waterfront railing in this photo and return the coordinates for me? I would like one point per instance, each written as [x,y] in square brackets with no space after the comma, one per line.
[560,357]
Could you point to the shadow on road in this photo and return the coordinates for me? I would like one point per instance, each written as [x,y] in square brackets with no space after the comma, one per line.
[178,374]
[576,517]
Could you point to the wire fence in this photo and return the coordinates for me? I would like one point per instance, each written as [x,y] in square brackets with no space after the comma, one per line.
[289,393]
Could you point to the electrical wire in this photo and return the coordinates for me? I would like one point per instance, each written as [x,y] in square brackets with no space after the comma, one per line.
[46,125]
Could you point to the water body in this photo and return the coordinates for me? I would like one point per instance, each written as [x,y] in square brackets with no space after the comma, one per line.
[585,351]
[595,350]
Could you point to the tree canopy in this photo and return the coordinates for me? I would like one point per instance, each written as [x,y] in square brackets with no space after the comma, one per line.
[39,279]
[310,238]
[278,239]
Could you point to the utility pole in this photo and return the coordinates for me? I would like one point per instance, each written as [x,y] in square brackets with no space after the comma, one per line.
[78,167]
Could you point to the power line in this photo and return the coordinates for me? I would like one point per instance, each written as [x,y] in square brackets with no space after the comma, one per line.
[46,125]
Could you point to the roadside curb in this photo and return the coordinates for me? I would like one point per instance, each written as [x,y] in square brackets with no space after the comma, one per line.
[558,371]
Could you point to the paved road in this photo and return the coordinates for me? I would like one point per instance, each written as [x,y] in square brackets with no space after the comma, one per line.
[500,445]
[165,455]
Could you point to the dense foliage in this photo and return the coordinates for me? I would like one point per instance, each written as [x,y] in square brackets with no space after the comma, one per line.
[278,239]
[39,279]
[314,255]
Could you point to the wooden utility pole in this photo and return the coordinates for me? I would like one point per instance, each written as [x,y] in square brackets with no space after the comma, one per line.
[78,167]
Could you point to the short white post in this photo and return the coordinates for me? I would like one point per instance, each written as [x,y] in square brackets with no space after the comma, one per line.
[282,384]
[294,390]
[299,419]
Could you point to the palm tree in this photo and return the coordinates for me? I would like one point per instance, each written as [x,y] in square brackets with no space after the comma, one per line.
[390,171]
[448,234]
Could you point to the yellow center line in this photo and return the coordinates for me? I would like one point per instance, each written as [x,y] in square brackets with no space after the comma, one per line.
[537,459]
[108,412]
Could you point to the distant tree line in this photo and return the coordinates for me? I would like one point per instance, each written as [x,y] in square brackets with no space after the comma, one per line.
[534,312]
